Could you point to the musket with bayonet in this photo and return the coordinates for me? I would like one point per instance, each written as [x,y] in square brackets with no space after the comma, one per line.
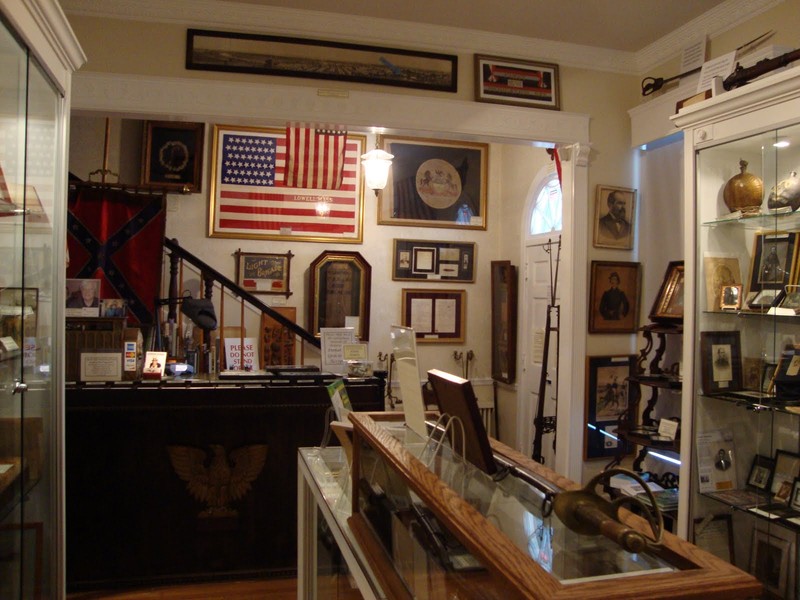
[653,84]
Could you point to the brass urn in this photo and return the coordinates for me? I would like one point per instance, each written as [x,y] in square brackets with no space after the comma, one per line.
[743,192]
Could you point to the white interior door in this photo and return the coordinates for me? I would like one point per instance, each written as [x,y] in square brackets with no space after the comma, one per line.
[541,264]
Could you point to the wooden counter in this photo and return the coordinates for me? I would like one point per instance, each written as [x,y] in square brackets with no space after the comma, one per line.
[139,462]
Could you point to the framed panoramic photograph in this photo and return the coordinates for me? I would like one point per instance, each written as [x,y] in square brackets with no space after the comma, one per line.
[668,307]
[614,217]
[434,183]
[339,292]
[518,82]
[614,297]
[434,261]
[504,321]
[172,155]
[261,273]
[437,316]
[319,59]
[608,397]
[254,202]
[773,264]
[721,361]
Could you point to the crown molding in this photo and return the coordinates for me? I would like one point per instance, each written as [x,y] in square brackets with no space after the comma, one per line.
[716,21]
[388,32]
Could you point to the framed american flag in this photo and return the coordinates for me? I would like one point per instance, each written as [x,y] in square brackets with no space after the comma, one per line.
[250,197]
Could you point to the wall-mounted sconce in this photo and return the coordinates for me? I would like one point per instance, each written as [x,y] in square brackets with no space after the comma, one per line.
[376,164]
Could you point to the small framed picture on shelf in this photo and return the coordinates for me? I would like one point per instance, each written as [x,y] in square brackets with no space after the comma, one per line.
[764,299]
[761,471]
[768,378]
[794,500]
[786,381]
[720,271]
[772,559]
[773,263]
[787,468]
[791,298]
[730,297]
[668,307]
[721,360]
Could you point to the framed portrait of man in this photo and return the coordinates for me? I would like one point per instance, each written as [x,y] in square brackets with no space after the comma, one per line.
[614,217]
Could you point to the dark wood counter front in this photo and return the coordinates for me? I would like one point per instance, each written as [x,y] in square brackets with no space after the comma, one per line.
[189,481]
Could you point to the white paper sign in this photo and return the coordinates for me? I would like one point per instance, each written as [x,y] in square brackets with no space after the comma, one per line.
[332,341]
[717,67]
[238,359]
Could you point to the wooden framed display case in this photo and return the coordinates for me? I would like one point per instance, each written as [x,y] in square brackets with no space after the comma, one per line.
[734,406]
[426,524]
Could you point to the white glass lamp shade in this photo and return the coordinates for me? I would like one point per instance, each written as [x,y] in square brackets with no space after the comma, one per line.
[376,168]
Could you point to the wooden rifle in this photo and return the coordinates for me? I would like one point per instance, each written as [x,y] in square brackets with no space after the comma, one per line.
[742,75]
[539,420]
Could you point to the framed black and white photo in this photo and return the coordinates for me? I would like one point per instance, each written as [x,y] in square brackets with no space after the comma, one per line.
[608,397]
[760,477]
[614,217]
[772,560]
[721,361]
[773,264]
[614,297]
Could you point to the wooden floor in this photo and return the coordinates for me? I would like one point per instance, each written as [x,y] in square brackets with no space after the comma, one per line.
[273,589]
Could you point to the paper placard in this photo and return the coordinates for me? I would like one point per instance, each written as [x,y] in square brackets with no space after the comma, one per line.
[154,364]
[237,359]
[718,67]
[668,428]
[332,341]
[101,366]
[354,352]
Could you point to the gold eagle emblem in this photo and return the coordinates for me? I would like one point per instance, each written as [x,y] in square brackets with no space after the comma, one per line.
[221,479]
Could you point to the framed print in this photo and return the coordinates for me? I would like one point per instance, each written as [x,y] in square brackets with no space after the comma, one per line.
[772,560]
[608,397]
[172,155]
[19,313]
[113,307]
[614,297]
[730,297]
[614,217]
[721,361]
[794,500]
[752,369]
[786,380]
[261,273]
[773,263]
[760,477]
[434,183]
[518,82]
[83,298]
[254,201]
[434,261]
[339,292]
[720,271]
[764,299]
[768,378]
[437,316]
[791,298]
[319,59]
[668,307]
[787,468]
[714,533]
[504,321]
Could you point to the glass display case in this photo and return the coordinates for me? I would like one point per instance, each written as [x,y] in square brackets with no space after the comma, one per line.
[38,54]
[742,155]
[432,525]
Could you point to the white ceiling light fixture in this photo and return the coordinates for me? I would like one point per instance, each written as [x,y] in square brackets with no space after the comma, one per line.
[376,164]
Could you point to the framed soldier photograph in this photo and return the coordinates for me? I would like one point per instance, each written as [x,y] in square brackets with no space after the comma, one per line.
[614,297]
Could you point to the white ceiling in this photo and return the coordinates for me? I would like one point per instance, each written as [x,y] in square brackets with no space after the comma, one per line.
[627,25]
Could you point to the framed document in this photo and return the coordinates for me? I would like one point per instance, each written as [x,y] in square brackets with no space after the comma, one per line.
[437,316]
[339,288]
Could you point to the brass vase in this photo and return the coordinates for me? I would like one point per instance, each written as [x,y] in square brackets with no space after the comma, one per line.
[743,192]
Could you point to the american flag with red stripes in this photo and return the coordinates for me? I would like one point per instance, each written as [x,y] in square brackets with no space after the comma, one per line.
[314,156]
[251,198]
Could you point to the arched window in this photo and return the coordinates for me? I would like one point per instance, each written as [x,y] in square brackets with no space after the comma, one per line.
[546,215]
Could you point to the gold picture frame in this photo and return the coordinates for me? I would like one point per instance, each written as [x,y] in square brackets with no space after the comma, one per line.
[614,217]
[339,288]
[437,316]
[668,306]
[435,183]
